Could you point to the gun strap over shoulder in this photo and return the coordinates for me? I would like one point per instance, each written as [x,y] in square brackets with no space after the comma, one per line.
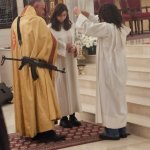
[18,31]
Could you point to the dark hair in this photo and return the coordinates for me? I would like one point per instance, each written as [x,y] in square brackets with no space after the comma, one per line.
[109,13]
[55,24]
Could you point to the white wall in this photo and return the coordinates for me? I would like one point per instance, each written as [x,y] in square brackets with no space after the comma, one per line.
[6,69]
[5,33]
[4,37]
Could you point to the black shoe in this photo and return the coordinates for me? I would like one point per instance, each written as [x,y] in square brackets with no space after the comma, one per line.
[104,136]
[56,137]
[123,132]
[56,122]
[124,135]
[49,135]
[65,123]
[74,121]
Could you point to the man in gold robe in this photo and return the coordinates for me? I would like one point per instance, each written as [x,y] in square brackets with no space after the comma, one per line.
[36,107]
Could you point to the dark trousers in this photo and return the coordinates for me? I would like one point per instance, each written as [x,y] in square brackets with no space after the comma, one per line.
[4,142]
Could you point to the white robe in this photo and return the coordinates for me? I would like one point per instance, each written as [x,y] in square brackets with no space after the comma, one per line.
[66,85]
[111,71]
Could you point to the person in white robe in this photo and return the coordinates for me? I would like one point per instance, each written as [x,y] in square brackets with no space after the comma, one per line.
[66,85]
[111,68]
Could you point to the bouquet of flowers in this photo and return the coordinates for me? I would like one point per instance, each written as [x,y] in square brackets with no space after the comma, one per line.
[89,44]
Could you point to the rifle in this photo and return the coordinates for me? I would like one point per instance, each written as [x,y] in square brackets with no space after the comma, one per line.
[33,64]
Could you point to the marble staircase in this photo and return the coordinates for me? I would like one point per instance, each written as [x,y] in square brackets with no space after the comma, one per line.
[138,89]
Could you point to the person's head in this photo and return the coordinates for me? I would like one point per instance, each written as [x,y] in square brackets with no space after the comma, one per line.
[109,13]
[39,6]
[60,18]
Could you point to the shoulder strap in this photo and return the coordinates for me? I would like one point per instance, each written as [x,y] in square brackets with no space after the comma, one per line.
[18,31]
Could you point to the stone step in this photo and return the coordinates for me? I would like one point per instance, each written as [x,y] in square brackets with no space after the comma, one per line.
[90,69]
[89,96]
[134,73]
[139,109]
[138,49]
[139,120]
[88,92]
[86,81]
[140,62]
[135,51]
[136,83]
[88,108]
[138,91]
[138,56]
[91,59]
[140,76]
[143,101]
[139,69]
[87,99]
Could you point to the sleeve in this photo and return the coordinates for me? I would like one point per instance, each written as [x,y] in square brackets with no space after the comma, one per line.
[93,18]
[126,30]
[91,28]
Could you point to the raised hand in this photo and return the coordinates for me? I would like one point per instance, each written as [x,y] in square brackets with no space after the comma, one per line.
[77,11]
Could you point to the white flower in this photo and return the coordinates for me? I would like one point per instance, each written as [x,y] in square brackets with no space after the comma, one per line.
[95,43]
[87,45]
[87,41]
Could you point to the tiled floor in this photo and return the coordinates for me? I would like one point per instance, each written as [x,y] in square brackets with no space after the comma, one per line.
[131,143]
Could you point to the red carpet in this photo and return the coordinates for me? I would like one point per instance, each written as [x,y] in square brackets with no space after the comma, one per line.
[86,133]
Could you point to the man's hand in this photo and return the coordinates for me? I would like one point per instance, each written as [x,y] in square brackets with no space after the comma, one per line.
[69,47]
[77,11]
[74,51]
